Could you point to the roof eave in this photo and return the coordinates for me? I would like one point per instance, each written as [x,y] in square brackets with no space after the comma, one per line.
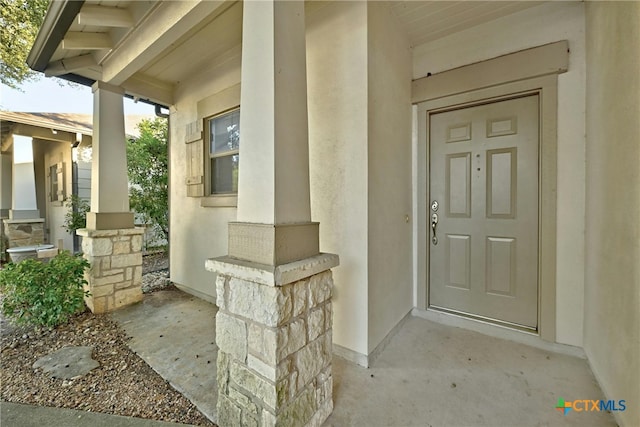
[57,21]
[59,17]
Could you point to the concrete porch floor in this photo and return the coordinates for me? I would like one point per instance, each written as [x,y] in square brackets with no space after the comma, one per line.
[429,374]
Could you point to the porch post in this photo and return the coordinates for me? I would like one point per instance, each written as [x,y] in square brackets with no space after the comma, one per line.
[273,326]
[109,190]
[24,227]
[111,243]
[6,184]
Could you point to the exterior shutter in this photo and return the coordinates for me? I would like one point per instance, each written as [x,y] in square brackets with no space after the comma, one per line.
[195,160]
[61,186]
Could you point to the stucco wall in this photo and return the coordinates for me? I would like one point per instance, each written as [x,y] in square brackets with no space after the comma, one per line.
[6,163]
[197,233]
[389,177]
[40,177]
[55,152]
[337,92]
[525,29]
[612,297]
[337,88]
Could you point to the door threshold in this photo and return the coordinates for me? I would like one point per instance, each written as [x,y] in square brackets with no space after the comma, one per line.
[488,320]
[526,337]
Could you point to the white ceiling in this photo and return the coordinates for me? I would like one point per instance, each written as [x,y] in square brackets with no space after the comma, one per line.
[426,21]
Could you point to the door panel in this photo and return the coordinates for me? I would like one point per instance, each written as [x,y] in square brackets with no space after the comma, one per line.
[484,176]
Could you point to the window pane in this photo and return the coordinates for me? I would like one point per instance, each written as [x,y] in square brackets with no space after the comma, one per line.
[53,174]
[225,132]
[224,174]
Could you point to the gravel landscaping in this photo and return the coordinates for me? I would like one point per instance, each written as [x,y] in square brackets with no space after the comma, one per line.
[122,384]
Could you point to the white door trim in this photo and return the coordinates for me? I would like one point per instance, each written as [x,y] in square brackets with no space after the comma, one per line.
[546,88]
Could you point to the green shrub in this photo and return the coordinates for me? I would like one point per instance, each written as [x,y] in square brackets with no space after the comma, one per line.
[44,294]
[76,216]
[4,242]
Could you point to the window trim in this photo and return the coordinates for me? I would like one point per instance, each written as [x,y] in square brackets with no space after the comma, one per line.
[210,156]
[214,105]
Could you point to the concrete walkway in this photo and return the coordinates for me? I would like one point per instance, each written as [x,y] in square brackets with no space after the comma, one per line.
[175,334]
[17,415]
[428,375]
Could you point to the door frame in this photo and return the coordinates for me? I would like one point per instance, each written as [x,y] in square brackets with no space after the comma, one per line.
[451,91]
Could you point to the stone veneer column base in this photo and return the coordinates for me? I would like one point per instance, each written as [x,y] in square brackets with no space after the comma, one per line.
[115,277]
[24,232]
[273,331]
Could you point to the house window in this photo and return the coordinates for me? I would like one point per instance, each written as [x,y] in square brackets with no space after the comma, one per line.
[53,191]
[223,136]
[56,182]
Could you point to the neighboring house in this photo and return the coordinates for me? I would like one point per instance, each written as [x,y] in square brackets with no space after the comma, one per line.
[520,119]
[55,168]
[60,167]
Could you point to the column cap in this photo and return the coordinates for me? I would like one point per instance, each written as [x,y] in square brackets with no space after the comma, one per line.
[270,275]
[106,86]
[85,232]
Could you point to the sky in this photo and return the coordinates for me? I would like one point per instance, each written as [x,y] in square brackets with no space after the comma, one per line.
[50,95]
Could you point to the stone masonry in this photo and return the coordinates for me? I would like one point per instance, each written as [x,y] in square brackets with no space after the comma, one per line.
[24,232]
[115,277]
[275,348]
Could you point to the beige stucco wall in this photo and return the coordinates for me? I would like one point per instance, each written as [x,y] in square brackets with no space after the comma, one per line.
[612,297]
[337,92]
[40,177]
[389,177]
[562,21]
[337,88]
[6,163]
[197,233]
[54,152]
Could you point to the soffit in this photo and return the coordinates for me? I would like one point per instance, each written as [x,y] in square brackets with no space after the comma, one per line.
[214,38]
[149,46]
[426,21]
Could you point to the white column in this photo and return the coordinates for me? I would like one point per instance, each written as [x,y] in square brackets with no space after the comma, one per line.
[24,205]
[109,184]
[274,324]
[273,190]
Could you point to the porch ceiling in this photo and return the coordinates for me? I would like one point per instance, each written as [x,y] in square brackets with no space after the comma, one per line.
[148,47]
[427,21]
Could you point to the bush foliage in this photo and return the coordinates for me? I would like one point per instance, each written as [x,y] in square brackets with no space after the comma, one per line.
[44,294]
[147,162]
[76,216]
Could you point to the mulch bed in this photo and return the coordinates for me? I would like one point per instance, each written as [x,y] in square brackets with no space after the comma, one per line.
[123,384]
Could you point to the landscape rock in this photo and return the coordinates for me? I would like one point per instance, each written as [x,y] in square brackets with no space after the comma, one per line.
[68,362]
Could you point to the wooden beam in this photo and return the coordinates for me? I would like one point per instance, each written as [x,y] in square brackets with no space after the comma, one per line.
[86,41]
[44,133]
[70,65]
[164,26]
[104,16]
[149,88]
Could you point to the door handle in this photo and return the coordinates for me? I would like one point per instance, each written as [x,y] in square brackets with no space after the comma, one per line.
[434,223]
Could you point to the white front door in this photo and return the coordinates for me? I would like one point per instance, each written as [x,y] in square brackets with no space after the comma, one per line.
[483,210]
